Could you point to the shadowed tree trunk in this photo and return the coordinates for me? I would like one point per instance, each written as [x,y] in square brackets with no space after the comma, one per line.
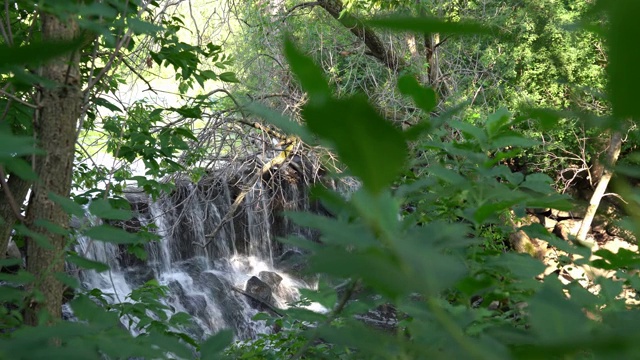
[17,189]
[56,135]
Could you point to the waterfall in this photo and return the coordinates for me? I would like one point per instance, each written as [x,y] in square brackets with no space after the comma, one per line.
[209,278]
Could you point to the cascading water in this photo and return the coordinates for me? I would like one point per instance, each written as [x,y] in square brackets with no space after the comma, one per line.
[221,281]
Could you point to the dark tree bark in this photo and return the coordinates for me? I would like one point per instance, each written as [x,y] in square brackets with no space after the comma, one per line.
[56,135]
[16,188]
[376,47]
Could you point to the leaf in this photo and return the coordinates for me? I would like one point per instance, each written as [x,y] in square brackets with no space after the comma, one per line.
[111,234]
[107,104]
[497,120]
[282,122]
[310,75]
[68,205]
[372,148]
[424,97]
[214,345]
[67,280]
[553,317]
[36,52]
[143,27]
[14,145]
[623,57]
[430,25]
[102,209]
[229,77]
[85,263]
[22,168]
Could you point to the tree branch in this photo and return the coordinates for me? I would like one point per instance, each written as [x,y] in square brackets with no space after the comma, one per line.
[364,33]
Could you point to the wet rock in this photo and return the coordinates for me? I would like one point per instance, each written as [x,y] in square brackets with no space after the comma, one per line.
[229,302]
[196,305]
[138,275]
[193,267]
[291,261]
[270,278]
[259,289]
[12,250]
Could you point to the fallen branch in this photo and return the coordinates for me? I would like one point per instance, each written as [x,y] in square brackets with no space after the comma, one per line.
[290,143]
[271,307]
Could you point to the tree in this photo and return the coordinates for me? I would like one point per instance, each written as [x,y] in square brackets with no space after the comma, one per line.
[56,133]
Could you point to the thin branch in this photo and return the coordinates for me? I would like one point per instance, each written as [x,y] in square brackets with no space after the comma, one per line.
[9,33]
[17,99]
[300,6]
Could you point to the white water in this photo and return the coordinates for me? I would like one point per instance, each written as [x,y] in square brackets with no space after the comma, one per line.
[201,279]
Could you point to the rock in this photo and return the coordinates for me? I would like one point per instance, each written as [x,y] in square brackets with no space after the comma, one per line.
[12,250]
[195,304]
[522,243]
[577,212]
[270,278]
[138,275]
[384,317]
[291,261]
[548,223]
[618,231]
[567,228]
[194,267]
[259,289]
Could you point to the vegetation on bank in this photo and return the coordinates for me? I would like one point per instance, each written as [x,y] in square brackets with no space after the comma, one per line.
[464,118]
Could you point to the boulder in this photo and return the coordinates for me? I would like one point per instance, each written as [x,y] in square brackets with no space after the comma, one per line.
[291,261]
[567,228]
[138,275]
[270,278]
[12,250]
[259,289]
[522,243]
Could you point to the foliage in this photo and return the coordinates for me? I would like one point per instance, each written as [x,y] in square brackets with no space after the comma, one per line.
[439,266]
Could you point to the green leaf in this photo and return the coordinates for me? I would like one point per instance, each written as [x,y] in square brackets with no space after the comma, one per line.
[107,104]
[554,317]
[102,209]
[214,345]
[35,53]
[424,97]
[229,77]
[497,120]
[12,145]
[68,205]
[623,57]
[372,148]
[68,280]
[282,122]
[111,234]
[310,75]
[143,27]
[85,263]
[22,168]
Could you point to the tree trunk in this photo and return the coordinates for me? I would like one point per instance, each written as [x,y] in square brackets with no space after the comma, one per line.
[612,156]
[18,189]
[56,134]
[373,42]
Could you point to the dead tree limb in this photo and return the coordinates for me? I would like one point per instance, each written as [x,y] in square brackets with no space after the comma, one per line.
[612,156]
[366,34]
[290,144]
[271,307]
